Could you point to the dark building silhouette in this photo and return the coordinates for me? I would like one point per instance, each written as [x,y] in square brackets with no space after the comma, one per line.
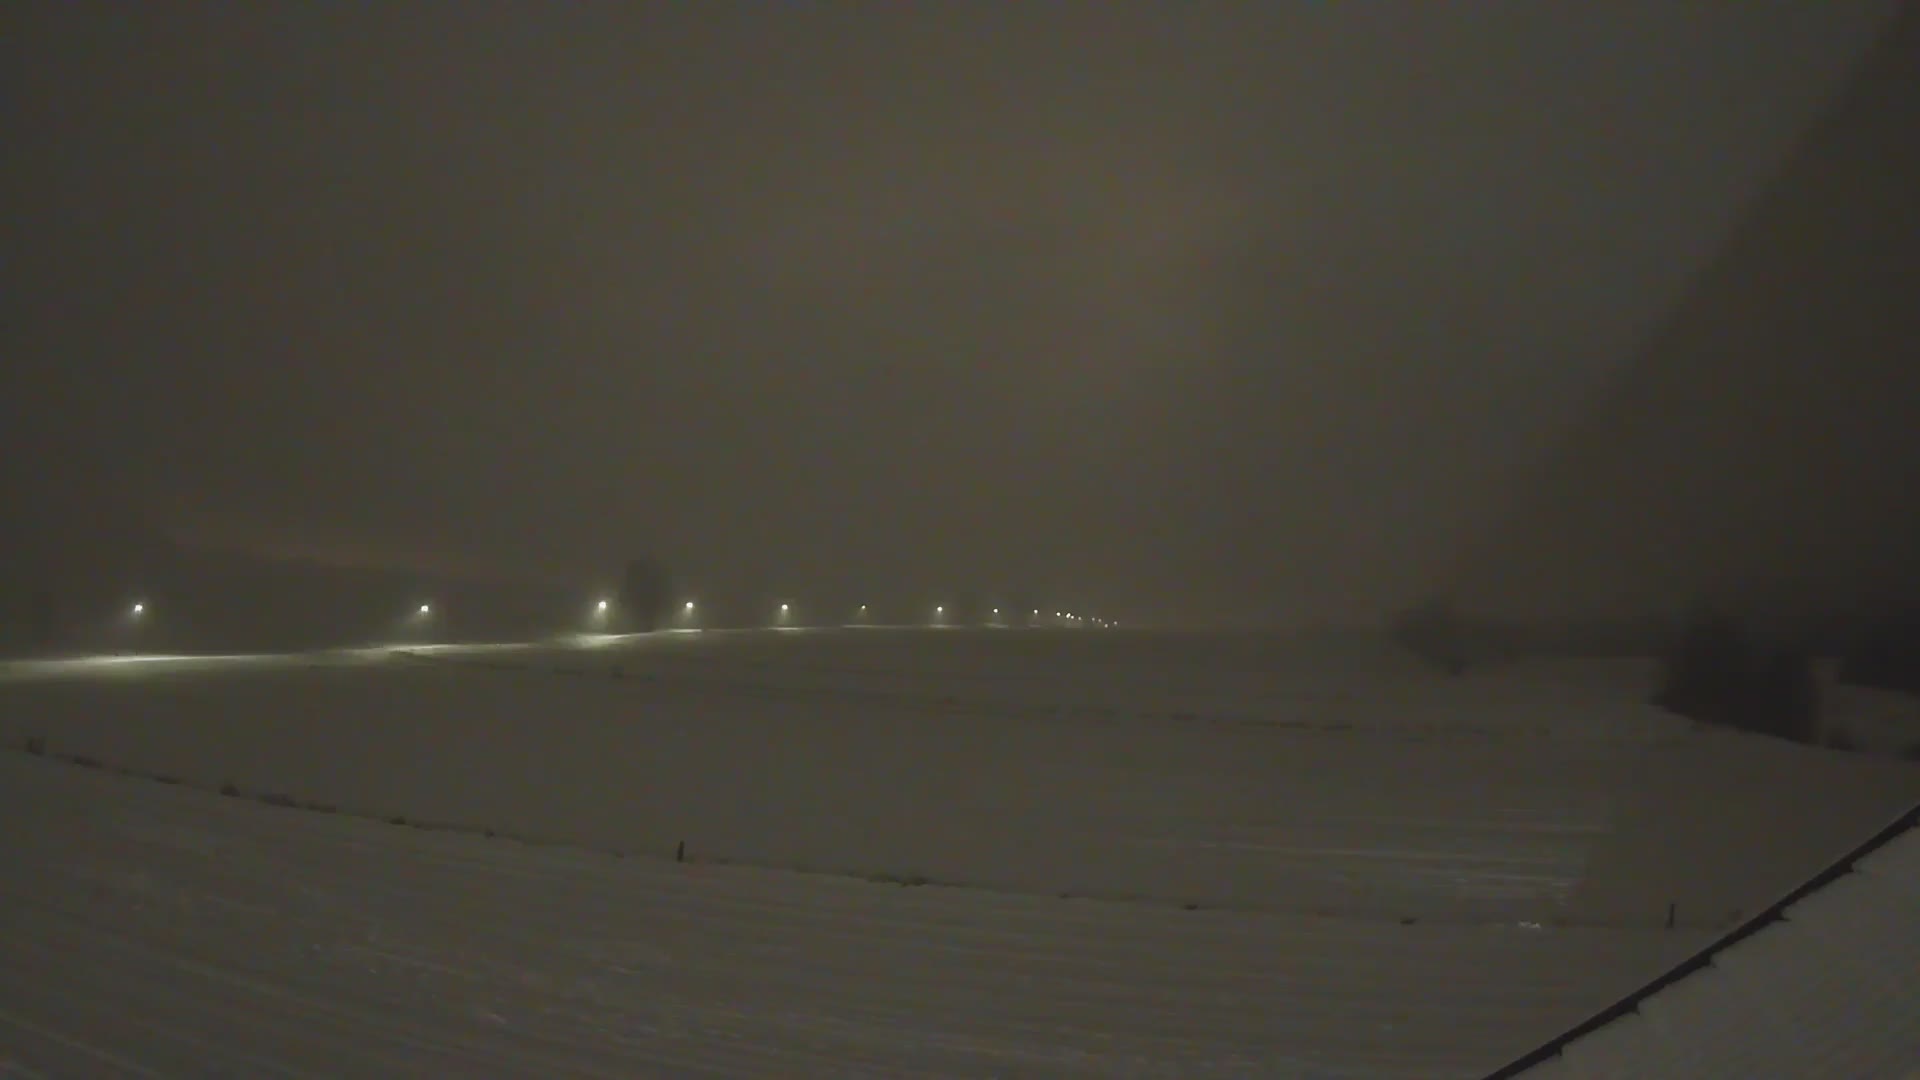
[1764,447]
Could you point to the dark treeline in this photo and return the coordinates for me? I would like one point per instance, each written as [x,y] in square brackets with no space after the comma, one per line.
[1753,672]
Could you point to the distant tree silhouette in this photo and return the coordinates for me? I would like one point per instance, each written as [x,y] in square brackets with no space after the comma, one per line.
[1433,631]
[1784,697]
[1886,657]
[966,609]
[644,595]
[1705,669]
[1717,673]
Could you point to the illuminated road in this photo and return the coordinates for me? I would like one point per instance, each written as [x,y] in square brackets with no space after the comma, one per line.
[135,665]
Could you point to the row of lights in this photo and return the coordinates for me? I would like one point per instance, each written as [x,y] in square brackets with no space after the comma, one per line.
[995,617]
[602,607]
[139,608]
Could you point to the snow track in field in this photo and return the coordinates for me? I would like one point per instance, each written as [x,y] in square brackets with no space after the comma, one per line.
[154,930]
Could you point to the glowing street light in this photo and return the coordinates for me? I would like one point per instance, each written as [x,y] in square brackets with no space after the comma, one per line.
[601,607]
[688,607]
[139,608]
[426,609]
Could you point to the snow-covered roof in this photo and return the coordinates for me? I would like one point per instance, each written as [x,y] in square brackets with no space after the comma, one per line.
[1824,983]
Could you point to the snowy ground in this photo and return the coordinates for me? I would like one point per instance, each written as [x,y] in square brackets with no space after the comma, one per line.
[187,934]
[1174,855]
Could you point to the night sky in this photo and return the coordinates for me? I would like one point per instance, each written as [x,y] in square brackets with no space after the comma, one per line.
[1193,311]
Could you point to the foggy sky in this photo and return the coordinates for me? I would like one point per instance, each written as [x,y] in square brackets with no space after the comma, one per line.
[1758,453]
[1197,311]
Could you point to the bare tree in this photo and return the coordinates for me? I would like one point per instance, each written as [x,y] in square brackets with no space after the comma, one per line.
[1718,673]
[644,595]
[1434,631]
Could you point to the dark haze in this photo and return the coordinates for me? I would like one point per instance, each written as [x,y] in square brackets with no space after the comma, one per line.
[1203,312]
[1760,453]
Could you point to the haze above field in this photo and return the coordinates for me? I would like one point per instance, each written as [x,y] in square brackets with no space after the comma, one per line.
[1199,312]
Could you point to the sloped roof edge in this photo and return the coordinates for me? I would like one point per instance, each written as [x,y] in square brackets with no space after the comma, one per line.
[1762,921]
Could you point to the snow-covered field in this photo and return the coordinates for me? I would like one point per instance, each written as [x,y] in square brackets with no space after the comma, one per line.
[1173,855]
